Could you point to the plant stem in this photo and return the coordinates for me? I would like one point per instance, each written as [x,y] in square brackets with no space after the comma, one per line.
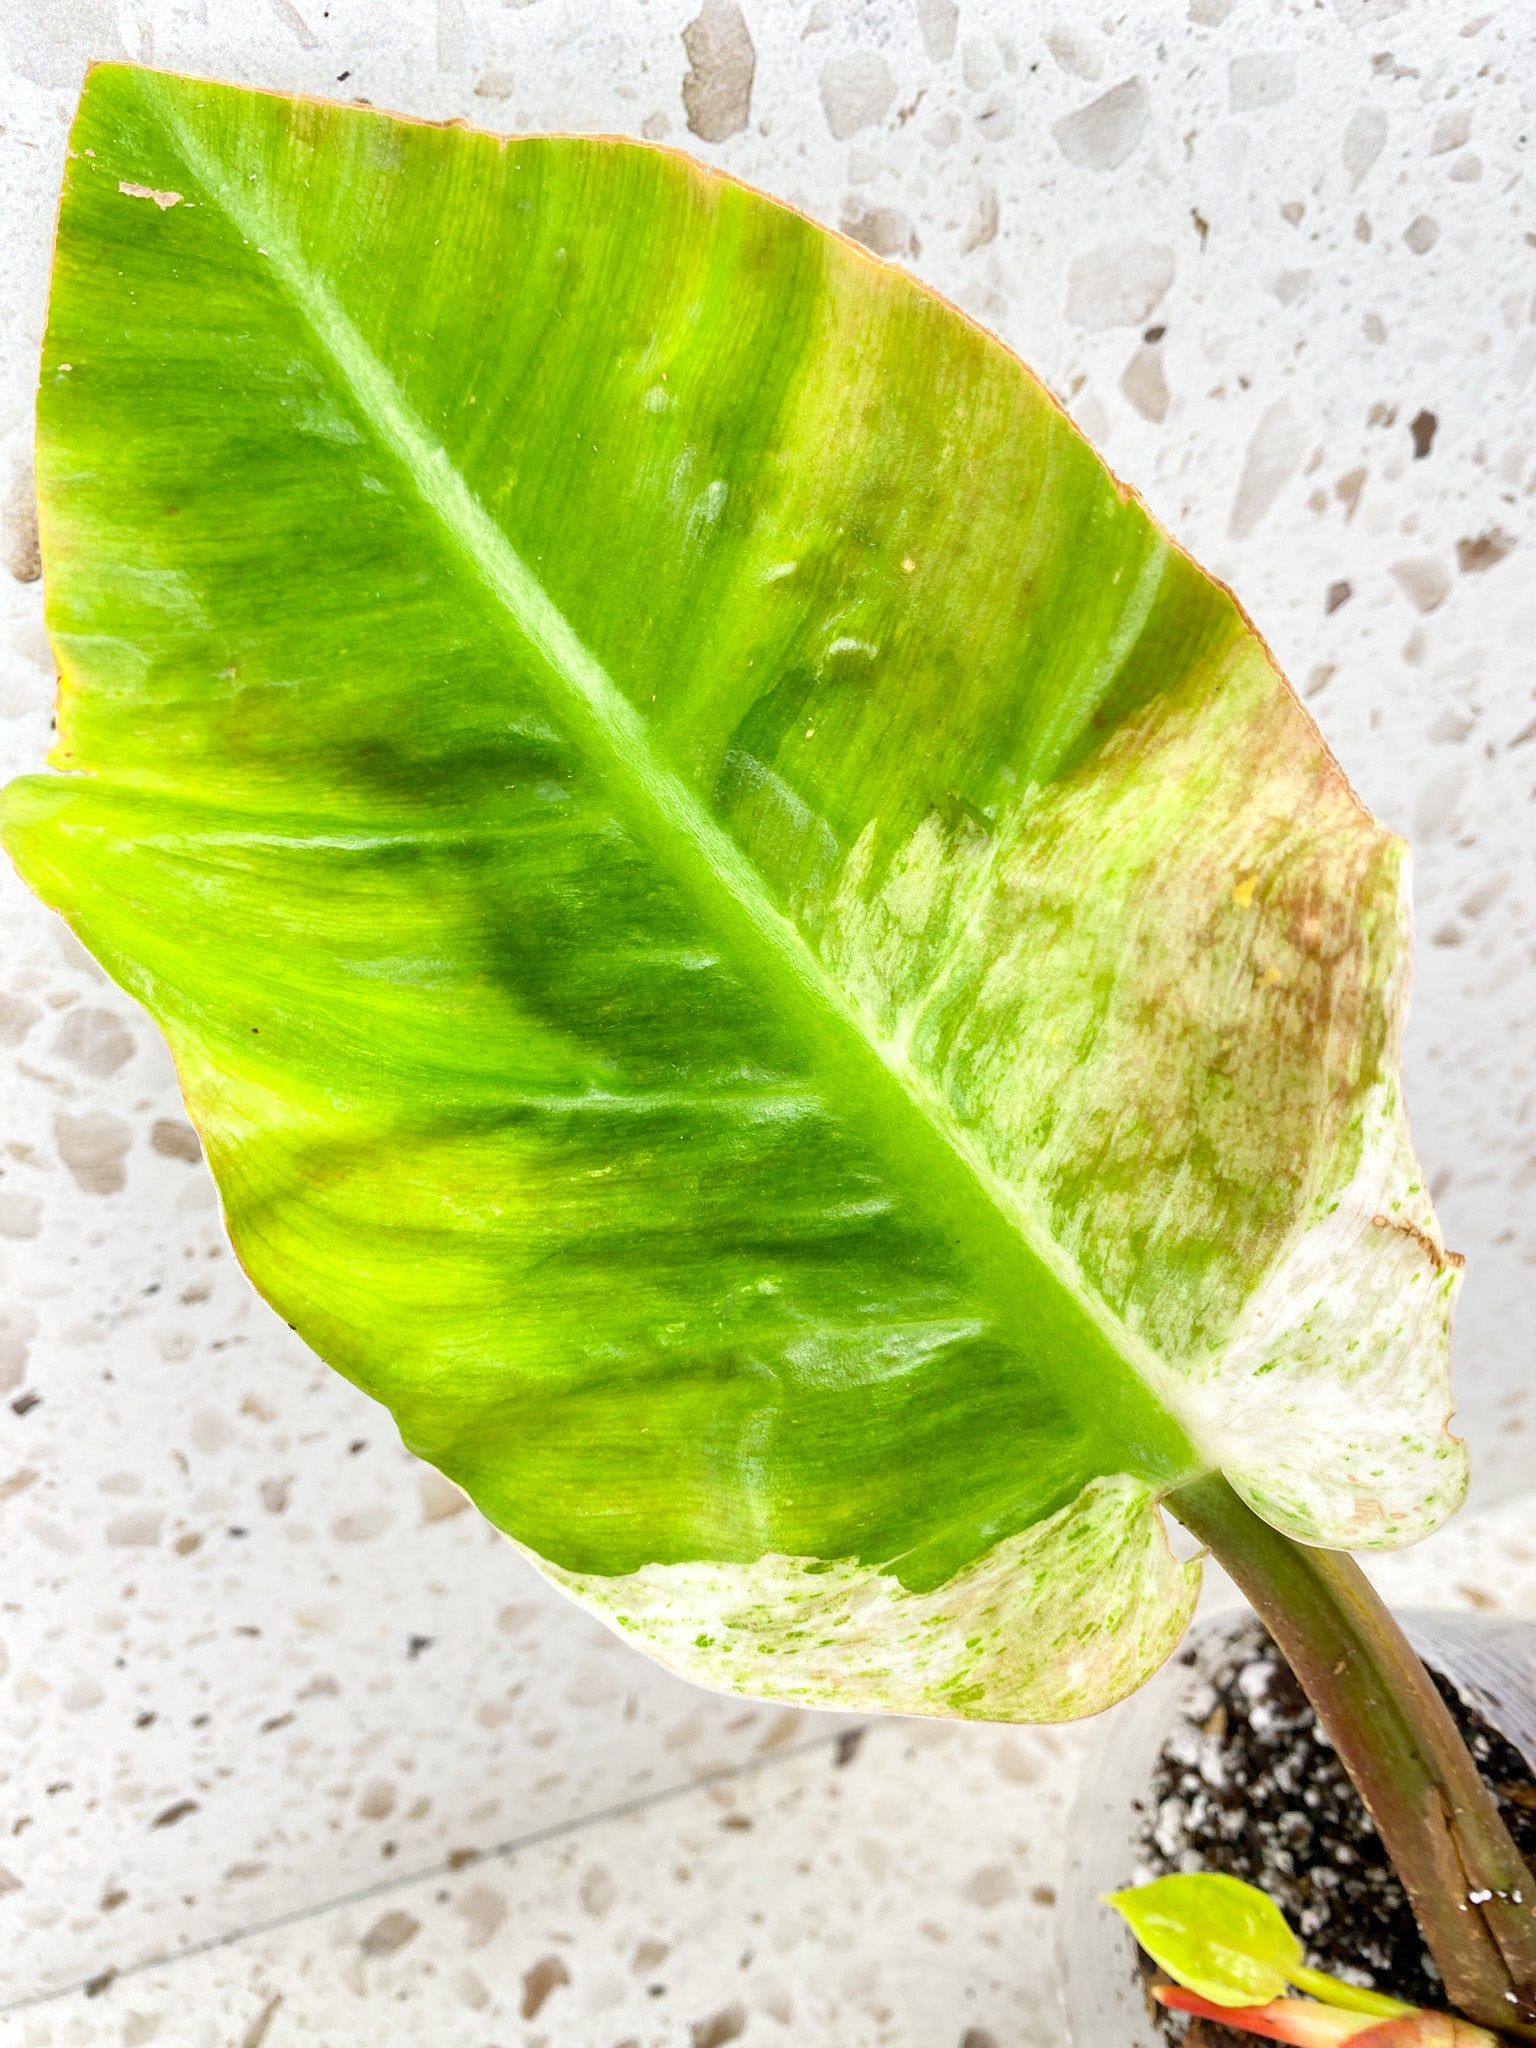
[1473,1896]
[1304,2025]
[1348,1997]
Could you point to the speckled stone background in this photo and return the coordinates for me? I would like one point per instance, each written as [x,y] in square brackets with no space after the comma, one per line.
[269,1689]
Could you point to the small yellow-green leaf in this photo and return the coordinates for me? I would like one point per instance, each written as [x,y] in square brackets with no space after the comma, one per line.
[1218,1936]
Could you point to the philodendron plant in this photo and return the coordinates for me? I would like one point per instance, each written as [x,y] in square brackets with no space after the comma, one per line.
[755,949]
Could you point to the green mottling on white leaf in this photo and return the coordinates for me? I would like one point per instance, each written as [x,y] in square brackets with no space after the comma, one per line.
[1054,1623]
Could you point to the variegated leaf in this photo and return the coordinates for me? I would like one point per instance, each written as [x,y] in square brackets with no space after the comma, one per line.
[755,949]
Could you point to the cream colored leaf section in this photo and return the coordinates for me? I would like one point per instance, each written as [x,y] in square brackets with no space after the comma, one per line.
[1057,1622]
[1165,996]
[1328,1408]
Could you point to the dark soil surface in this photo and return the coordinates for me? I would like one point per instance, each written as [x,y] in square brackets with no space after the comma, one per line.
[1249,1784]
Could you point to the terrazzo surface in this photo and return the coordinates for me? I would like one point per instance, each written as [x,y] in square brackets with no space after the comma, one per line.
[268,1684]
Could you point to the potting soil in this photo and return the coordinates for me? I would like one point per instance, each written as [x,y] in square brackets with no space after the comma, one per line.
[1248,1783]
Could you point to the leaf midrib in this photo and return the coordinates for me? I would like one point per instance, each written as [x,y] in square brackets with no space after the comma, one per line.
[926,1150]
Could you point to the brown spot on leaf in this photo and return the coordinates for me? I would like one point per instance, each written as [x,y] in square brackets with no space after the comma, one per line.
[1437,1258]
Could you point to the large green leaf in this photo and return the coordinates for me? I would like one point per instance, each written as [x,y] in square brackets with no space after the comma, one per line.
[756,950]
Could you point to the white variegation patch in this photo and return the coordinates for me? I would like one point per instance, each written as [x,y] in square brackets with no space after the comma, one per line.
[1328,1408]
[1059,1621]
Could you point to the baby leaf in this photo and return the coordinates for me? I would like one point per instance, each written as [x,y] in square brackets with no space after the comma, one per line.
[1229,1942]
[1217,1936]
[755,950]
